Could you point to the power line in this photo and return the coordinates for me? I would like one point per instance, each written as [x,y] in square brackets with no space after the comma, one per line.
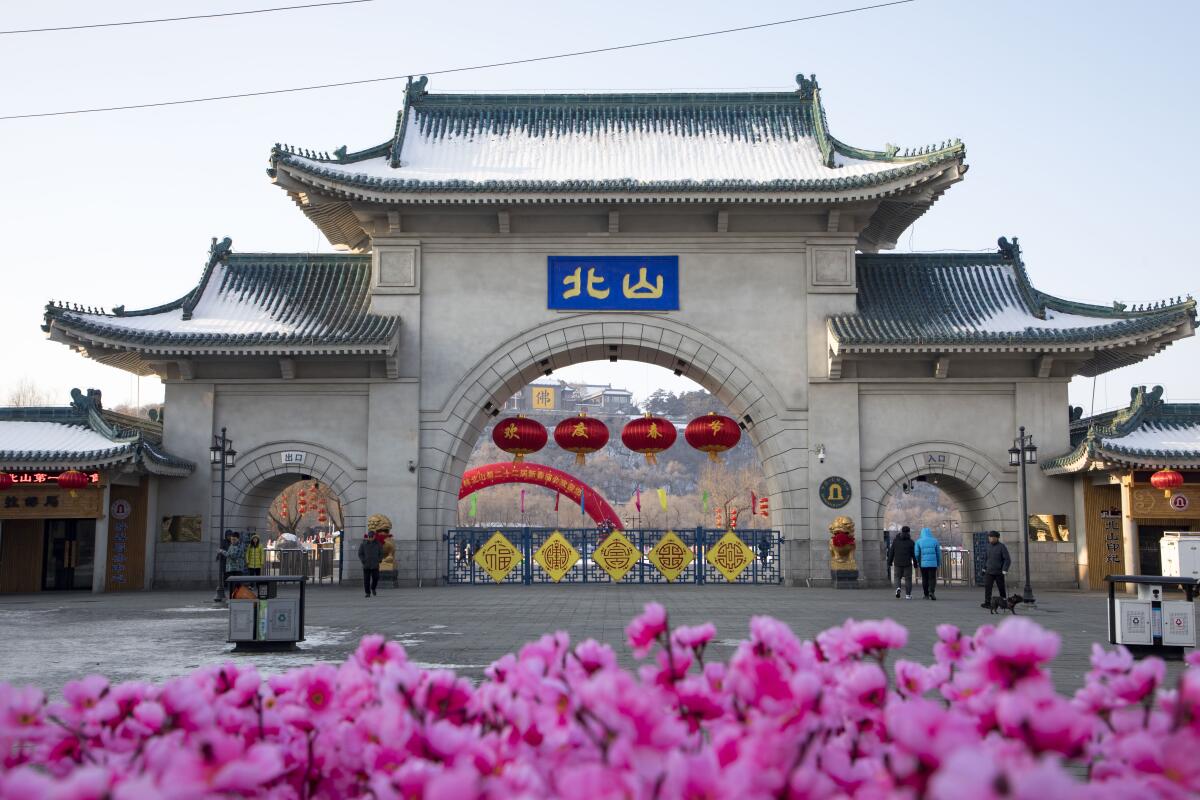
[183,19]
[452,70]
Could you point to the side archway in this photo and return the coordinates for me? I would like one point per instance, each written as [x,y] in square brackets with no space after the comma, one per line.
[983,491]
[262,473]
[595,506]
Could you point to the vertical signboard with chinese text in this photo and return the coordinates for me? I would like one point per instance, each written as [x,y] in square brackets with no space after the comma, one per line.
[126,538]
[613,283]
[1105,543]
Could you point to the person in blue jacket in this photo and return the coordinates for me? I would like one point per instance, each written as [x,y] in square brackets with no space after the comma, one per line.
[928,553]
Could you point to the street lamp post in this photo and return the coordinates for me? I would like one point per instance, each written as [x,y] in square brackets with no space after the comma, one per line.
[1023,452]
[221,455]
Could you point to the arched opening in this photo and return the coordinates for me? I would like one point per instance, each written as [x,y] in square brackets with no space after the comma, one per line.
[698,491]
[776,424]
[937,484]
[273,473]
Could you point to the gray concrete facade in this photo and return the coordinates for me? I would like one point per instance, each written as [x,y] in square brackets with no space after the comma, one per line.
[751,330]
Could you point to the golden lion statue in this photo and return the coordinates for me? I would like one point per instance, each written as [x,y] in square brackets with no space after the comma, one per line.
[842,544]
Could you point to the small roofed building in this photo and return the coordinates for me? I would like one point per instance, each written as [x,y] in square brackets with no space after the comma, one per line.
[1113,458]
[99,536]
[728,237]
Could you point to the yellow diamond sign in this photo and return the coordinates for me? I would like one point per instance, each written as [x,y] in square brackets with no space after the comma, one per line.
[730,556]
[616,555]
[556,556]
[671,556]
[498,557]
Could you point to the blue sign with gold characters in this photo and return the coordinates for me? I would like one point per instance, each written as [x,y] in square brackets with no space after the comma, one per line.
[614,283]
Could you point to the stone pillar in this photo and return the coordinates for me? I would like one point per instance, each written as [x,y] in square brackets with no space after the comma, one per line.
[1129,532]
[100,562]
[393,424]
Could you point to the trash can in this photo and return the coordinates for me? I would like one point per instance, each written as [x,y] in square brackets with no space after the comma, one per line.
[264,620]
[1151,624]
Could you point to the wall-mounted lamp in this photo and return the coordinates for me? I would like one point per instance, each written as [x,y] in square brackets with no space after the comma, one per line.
[906,487]
[412,465]
[680,366]
[748,420]
[820,451]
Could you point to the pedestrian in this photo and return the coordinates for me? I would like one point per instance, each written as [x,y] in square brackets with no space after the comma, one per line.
[370,552]
[254,556]
[902,557]
[928,553]
[995,566]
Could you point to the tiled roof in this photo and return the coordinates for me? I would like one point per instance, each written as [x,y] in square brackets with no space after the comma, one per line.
[636,144]
[82,436]
[249,303]
[1148,434]
[984,301]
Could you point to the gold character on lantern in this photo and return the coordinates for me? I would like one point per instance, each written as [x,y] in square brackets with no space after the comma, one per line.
[580,430]
[653,432]
[510,432]
[643,289]
[715,425]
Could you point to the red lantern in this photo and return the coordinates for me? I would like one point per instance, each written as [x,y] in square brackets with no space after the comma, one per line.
[519,436]
[649,436]
[6,481]
[71,480]
[712,433]
[1166,479]
[581,435]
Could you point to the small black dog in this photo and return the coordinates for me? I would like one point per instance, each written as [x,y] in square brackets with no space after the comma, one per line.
[1010,603]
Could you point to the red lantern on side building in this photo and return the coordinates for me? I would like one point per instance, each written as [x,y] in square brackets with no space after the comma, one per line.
[71,480]
[1166,479]
[581,435]
[713,434]
[519,436]
[649,436]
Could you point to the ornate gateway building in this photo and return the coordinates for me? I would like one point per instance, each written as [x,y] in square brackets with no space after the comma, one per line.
[731,238]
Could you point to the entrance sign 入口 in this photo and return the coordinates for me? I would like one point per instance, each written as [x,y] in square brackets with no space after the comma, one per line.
[613,283]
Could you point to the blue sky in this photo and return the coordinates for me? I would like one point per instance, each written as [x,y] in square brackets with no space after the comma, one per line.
[1079,120]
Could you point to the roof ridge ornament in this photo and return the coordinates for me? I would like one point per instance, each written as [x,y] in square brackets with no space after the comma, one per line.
[1009,251]
[218,253]
[414,90]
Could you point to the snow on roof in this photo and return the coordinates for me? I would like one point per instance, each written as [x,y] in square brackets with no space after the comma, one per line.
[37,439]
[1156,436]
[649,155]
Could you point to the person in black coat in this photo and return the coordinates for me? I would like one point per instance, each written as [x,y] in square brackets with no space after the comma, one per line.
[901,558]
[995,565]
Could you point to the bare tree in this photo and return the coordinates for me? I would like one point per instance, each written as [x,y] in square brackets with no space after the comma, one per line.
[29,392]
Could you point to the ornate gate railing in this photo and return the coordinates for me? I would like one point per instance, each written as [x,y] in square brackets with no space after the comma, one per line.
[463,543]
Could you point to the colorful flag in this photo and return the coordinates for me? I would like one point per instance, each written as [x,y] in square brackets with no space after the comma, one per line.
[662,498]
[474,505]
[583,502]
[704,500]
[522,501]
[557,495]
[637,499]
[753,503]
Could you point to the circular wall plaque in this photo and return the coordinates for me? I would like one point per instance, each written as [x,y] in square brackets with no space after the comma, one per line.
[835,491]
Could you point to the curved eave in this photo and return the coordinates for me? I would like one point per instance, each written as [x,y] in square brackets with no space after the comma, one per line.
[1099,457]
[892,183]
[61,331]
[83,461]
[1162,335]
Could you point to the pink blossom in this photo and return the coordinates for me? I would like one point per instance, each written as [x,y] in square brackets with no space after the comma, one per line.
[646,627]
[694,636]
[1016,652]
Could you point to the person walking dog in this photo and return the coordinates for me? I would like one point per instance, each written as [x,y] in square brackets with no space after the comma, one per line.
[995,566]
[370,552]
[928,552]
[902,557]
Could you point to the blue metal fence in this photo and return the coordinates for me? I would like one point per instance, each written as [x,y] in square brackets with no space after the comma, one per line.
[463,543]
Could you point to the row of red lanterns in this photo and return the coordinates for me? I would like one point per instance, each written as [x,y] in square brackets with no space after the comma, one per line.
[520,436]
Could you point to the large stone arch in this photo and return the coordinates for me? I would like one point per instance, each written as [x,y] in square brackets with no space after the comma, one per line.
[260,475]
[780,436]
[983,490]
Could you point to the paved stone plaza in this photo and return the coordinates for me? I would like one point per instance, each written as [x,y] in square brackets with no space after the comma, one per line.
[50,639]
